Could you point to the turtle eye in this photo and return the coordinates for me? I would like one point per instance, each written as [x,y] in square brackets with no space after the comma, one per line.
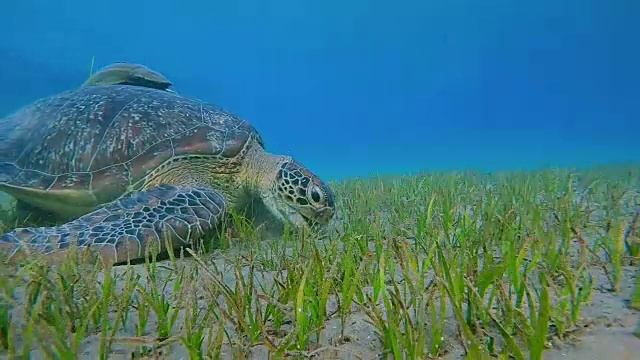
[316,195]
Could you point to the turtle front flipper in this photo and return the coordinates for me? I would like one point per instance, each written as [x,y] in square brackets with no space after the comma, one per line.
[125,229]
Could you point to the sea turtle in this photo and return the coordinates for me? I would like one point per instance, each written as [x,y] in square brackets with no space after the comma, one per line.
[123,73]
[129,166]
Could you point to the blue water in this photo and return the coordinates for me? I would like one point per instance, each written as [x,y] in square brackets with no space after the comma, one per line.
[353,88]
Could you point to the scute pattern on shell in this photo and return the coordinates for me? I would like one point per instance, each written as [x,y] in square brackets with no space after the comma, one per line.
[113,135]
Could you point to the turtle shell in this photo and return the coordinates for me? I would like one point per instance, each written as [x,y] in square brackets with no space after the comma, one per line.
[128,74]
[90,145]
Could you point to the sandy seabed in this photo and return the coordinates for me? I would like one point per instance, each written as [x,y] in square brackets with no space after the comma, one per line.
[606,332]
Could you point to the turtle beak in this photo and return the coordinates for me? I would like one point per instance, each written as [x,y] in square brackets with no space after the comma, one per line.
[320,219]
[325,215]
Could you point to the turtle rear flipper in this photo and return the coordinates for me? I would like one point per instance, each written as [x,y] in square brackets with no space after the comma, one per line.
[126,229]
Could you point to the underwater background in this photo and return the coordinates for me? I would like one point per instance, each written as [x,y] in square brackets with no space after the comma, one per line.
[354,88]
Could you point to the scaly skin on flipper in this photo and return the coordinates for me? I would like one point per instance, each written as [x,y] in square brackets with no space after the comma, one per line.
[124,229]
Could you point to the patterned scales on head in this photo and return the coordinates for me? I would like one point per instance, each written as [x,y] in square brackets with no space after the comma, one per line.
[132,166]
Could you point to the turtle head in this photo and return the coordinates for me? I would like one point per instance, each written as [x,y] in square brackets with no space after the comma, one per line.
[298,196]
